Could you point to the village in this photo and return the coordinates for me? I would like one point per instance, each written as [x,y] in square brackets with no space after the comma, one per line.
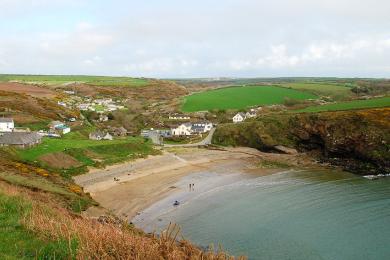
[182,127]
[87,103]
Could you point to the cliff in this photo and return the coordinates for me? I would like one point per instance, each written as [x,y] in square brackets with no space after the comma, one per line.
[359,141]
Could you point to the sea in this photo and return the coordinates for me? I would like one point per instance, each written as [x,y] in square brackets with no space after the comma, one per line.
[291,214]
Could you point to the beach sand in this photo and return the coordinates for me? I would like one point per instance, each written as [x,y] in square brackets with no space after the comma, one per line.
[127,189]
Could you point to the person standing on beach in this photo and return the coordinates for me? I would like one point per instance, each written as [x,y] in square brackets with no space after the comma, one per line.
[190,186]
[193,186]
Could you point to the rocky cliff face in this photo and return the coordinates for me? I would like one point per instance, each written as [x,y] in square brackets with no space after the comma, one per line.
[359,141]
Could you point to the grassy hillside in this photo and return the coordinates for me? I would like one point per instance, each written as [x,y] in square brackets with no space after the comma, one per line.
[16,241]
[72,153]
[241,97]
[33,225]
[63,79]
[356,104]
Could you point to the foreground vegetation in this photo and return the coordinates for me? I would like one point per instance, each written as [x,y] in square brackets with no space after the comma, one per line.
[64,79]
[241,97]
[34,226]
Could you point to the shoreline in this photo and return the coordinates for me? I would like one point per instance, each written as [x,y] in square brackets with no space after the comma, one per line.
[129,188]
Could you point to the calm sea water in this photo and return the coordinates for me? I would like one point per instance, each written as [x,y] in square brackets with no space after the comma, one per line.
[288,215]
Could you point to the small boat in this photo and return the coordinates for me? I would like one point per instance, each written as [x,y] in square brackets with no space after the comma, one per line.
[176,203]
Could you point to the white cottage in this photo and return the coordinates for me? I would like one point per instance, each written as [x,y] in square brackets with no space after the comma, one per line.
[239,117]
[6,125]
[183,129]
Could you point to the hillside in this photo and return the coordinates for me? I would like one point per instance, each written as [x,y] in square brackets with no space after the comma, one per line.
[356,140]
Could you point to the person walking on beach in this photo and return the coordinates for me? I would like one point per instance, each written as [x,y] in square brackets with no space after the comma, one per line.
[193,186]
[189,186]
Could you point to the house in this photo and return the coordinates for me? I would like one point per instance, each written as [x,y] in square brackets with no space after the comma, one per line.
[60,103]
[183,129]
[60,127]
[250,114]
[83,107]
[54,124]
[100,135]
[239,117]
[103,102]
[63,129]
[6,124]
[179,117]
[20,139]
[201,127]
[166,133]
[103,118]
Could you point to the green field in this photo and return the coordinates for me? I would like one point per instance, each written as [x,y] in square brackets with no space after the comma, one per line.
[63,79]
[356,104]
[241,97]
[335,91]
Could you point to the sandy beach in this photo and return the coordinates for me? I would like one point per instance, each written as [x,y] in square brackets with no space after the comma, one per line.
[127,189]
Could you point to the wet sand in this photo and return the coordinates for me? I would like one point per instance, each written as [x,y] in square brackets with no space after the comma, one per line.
[127,189]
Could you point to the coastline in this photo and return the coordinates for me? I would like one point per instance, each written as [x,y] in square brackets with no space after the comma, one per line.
[129,188]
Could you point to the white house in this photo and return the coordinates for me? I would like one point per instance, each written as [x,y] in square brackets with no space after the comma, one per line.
[84,107]
[59,127]
[183,129]
[6,125]
[99,135]
[239,117]
[60,103]
[250,114]
[103,118]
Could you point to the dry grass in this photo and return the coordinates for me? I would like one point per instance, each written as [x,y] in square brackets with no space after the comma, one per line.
[111,240]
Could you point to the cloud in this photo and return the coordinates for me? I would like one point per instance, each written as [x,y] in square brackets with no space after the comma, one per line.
[320,54]
[196,38]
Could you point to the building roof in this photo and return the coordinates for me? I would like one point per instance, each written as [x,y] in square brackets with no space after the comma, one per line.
[202,123]
[187,124]
[197,128]
[241,114]
[97,134]
[55,123]
[6,120]
[62,127]
[19,138]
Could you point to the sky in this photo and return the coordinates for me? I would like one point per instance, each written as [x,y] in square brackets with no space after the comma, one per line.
[188,38]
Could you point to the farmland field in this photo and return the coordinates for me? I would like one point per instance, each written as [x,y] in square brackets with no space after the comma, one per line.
[241,97]
[62,79]
[336,91]
[356,104]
